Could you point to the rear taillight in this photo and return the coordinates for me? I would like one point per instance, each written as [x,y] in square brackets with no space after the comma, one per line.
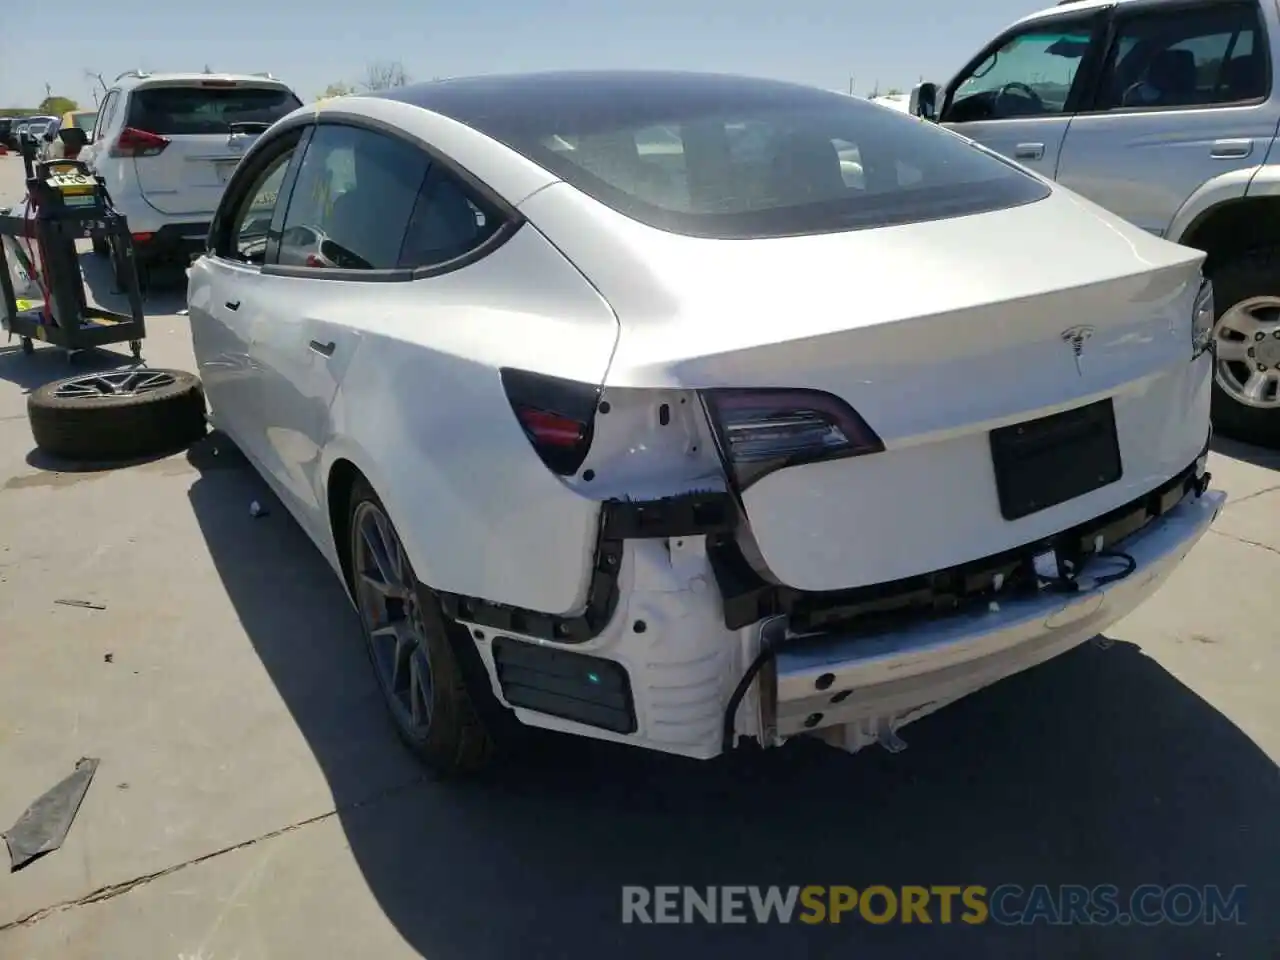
[138,143]
[1202,320]
[760,431]
[557,416]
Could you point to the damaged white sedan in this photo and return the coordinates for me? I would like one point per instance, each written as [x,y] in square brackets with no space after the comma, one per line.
[678,409]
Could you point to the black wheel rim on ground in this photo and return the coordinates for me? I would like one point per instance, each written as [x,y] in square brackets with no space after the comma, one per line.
[129,383]
[391,612]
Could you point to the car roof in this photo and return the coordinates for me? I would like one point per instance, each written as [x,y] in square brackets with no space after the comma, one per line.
[1074,6]
[135,79]
[497,100]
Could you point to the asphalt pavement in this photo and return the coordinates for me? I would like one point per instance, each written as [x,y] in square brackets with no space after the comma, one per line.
[253,803]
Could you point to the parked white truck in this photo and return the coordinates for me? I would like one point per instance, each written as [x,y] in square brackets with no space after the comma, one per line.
[1166,112]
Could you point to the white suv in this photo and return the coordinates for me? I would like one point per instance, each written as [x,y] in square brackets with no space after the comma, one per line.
[167,143]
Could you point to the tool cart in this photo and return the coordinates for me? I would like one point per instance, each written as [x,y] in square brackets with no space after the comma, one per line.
[65,201]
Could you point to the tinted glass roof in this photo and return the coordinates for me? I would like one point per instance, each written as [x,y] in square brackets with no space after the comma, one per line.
[506,100]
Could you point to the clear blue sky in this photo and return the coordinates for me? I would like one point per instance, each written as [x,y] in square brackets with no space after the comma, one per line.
[821,42]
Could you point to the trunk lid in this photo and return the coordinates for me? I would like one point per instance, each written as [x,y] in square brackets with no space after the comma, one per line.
[936,334]
[209,124]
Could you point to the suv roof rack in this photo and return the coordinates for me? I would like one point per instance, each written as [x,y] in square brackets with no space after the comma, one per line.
[139,73]
[267,74]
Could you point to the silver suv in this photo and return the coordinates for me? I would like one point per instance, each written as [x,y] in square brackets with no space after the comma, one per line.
[1166,112]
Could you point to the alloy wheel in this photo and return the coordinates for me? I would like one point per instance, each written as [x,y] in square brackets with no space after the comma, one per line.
[1247,348]
[391,612]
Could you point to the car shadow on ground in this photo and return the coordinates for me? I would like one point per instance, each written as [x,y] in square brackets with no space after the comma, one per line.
[1258,456]
[1097,768]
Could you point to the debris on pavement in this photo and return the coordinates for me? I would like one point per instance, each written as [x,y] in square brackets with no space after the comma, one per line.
[257,510]
[109,658]
[44,825]
[86,604]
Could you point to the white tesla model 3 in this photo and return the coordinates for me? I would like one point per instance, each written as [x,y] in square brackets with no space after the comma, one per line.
[679,409]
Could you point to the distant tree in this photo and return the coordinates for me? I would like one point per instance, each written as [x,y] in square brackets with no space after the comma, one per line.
[338,89]
[56,106]
[384,75]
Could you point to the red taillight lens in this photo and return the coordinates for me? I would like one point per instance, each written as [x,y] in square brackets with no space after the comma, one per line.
[760,431]
[558,416]
[138,143]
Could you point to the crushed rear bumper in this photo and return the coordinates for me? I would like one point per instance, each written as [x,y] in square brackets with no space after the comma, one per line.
[859,689]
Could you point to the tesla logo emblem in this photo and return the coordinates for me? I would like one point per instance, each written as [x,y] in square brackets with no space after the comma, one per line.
[1075,337]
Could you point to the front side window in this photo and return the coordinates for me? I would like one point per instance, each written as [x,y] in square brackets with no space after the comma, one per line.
[1030,75]
[760,160]
[1186,58]
[352,200]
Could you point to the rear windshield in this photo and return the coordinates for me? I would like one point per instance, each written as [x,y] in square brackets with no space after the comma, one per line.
[177,110]
[759,159]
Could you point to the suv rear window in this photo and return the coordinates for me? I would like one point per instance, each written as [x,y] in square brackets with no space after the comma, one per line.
[174,111]
[735,157]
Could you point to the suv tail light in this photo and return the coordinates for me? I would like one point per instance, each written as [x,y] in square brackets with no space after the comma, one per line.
[558,416]
[760,431]
[133,142]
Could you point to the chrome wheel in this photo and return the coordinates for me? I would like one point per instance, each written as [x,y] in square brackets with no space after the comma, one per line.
[1247,347]
[387,598]
[130,383]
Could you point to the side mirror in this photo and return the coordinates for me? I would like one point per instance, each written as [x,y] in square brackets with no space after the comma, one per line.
[924,101]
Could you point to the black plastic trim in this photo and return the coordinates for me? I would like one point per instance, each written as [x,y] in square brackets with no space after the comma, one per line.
[747,598]
[565,684]
[686,515]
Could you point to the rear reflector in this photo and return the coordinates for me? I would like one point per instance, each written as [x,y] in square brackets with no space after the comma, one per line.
[557,416]
[138,143]
[760,431]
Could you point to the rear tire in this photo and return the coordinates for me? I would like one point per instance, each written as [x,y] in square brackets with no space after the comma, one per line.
[411,646]
[1252,277]
[159,411]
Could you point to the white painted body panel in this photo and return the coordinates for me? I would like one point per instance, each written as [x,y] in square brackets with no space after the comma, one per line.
[412,397]
[935,333]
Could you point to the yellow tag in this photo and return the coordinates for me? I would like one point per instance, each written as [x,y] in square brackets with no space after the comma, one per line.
[25,305]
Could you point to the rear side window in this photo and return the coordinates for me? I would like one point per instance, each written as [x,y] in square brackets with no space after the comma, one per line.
[756,161]
[351,203]
[447,222]
[173,111]
[1186,58]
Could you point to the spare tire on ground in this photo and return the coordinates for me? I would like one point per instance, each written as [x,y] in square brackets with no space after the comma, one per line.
[117,414]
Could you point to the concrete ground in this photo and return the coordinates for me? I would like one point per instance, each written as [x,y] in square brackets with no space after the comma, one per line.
[253,803]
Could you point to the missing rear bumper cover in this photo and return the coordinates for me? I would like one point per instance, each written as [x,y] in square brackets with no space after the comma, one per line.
[686,515]
[748,598]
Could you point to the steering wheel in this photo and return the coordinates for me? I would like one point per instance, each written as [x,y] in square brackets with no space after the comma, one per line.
[1021,88]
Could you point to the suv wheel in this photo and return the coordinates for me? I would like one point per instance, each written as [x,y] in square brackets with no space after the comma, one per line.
[1246,380]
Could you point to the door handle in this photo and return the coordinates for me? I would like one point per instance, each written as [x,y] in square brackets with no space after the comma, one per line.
[1028,151]
[233,304]
[324,349]
[1231,149]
